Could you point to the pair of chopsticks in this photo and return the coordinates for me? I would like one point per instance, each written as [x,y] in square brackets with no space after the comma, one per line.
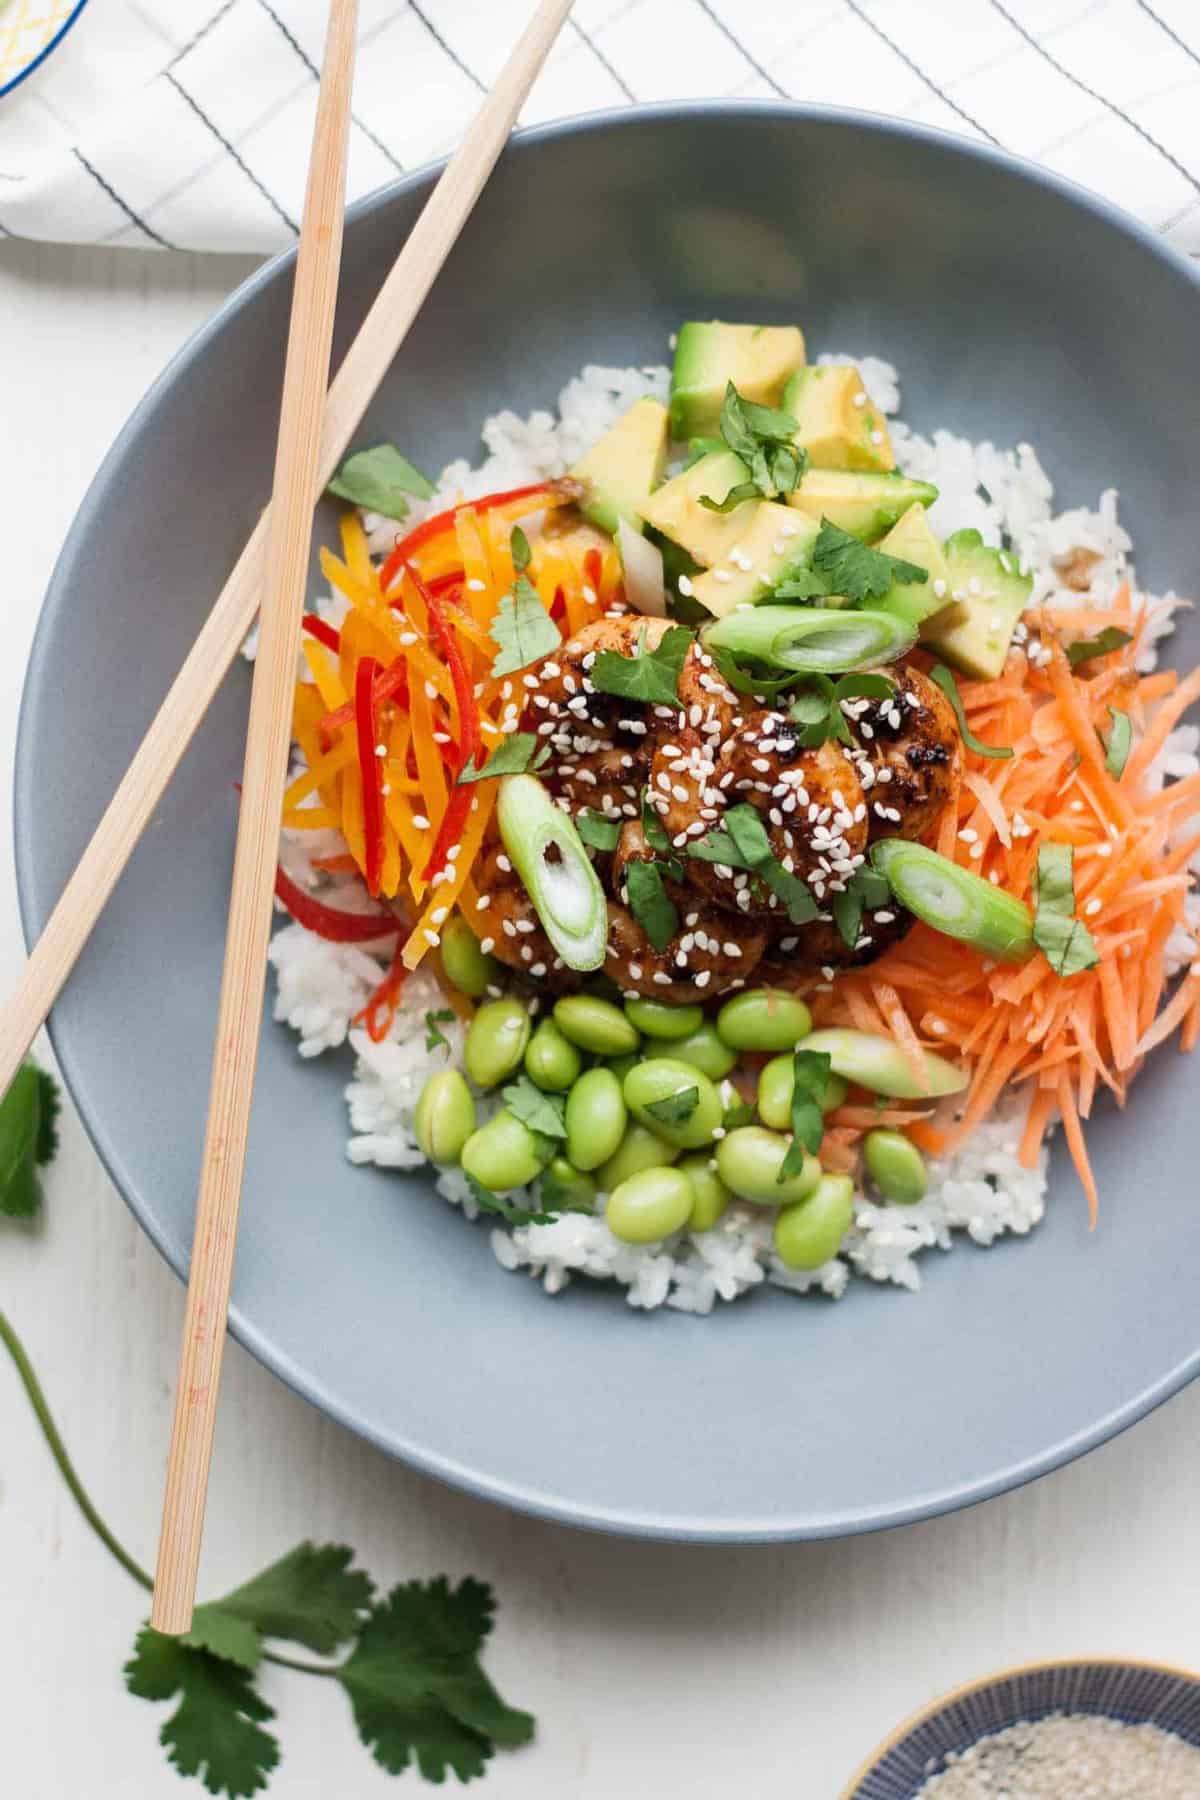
[315,428]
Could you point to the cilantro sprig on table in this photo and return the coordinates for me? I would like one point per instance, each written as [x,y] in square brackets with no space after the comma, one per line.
[410,1668]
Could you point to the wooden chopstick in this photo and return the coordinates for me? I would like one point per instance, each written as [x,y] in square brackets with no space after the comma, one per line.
[366,362]
[268,734]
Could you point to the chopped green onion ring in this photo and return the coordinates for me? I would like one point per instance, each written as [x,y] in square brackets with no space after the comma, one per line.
[954,901]
[555,870]
[820,640]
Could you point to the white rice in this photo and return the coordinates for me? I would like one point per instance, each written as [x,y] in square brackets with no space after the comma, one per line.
[980,1192]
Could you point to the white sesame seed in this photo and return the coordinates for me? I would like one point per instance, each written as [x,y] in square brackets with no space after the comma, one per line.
[432,938]
[421,822]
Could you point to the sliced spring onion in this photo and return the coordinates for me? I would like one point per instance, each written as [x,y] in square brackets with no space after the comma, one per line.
[557,873]
[642,564]
[820,640]
[954,901]
[879,1064]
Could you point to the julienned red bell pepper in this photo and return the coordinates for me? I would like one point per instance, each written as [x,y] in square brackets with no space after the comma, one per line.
[469,735]
[390,684]
[444,521]
[324,633]
[380,1010]
[592,566]
[450,831]
[330,921]
[370,767]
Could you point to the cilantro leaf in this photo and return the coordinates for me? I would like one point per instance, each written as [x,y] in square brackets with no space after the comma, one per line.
[511,757]
[650,903]
[311,1596]
[675,1109]
[522,555]
[810,1077]
[436,1039]
[945,680]
[1103,644]
[740,1113]
[379,479]
[215,1731]
[597,831]
[1064,940]
[416,1686]
[799,584]
[543,1113]
[867,887]
[522,629]
[853,570]
[817,709]
[28,1138]
[1119,743]
[496,1204]
[649,675]
[762,437]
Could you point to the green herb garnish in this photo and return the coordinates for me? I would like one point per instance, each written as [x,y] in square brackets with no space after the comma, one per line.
[650,904]
[1120,740]
[1064,940]
[810,1076]
[512,1215]
[379,480]
[435,1038]
[744,681]
[543,1113]
[648,676]
[945,680]
[762,437]
[519,549]
[1103,644]
[851,569]
[675,1109]
[744,844]
[817,709]
[596,831]
[866,889]
[522,629]
[513,756]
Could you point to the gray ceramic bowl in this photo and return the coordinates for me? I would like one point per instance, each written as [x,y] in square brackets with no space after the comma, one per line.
[1015,307]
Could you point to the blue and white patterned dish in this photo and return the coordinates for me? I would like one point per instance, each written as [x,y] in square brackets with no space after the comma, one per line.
[1134,1693]
[29,31]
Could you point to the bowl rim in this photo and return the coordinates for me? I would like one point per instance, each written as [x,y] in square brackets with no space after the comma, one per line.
[929,1503]
[952,1696]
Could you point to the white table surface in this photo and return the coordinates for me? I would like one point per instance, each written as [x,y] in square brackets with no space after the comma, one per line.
[764,1672]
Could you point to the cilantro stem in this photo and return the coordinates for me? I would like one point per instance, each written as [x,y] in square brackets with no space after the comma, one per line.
[58,1451]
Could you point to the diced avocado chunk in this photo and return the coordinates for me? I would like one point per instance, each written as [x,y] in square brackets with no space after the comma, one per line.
[709,355]
[621,470]
[840,425]
[914,540]
[703,446]
[771,543]
[675,509]
[988,595]
[861,501]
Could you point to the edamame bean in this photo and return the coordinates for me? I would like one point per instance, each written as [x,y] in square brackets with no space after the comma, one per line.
[810,1234]
[465,964]
[710,1196]
[595,1025]
[445,1117]
[621,1065]
[639,1149]
[896,1166]
[550,1060]
[595,1118]
[658,1019]
[702,1048]
[749,1160]
[651,1091]
[649,1206]
[764,1019]
[504,1153]
[496,1040]
[879,1063]
[566,1186]
[776,1086]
